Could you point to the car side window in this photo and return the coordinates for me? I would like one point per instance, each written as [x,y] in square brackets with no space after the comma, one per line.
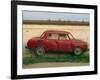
[52,36]
[67,37]
[63,37]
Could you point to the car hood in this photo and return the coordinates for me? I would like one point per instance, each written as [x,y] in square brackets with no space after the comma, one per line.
[79,41]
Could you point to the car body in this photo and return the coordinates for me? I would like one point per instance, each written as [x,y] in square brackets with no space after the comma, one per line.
[54,40]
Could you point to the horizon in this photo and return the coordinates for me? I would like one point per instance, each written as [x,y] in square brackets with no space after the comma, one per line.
[55,16]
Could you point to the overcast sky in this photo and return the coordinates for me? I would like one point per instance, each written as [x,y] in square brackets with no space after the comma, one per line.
[35,15]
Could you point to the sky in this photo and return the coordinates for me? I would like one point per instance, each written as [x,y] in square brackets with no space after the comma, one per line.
[65,16]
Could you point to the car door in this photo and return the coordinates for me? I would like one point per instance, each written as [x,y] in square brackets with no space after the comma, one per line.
[51,42]
[64,43]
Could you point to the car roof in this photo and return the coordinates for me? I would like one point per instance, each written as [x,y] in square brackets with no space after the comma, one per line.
[57,31]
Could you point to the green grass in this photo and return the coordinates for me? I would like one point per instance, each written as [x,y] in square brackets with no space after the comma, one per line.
[29,58]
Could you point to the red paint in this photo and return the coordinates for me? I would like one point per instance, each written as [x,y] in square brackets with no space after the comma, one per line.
[53,40]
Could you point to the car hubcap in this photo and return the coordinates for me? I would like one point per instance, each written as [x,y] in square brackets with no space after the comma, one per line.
[77,51]
[40,51]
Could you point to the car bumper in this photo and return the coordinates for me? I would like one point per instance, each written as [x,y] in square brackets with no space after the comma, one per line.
[86,49]
[26,47]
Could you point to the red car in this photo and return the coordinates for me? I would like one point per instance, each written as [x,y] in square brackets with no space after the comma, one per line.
[53,40]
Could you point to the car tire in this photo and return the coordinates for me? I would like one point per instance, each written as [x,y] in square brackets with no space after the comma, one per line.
[39,51]
[78,51]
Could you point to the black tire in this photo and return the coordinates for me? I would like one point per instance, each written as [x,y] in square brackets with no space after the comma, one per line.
[78,51]
[39,51]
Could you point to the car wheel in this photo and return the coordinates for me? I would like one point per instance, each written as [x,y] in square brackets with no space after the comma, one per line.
[39,51]
[78,51]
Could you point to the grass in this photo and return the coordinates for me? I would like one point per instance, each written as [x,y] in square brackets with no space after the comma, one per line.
[29,58]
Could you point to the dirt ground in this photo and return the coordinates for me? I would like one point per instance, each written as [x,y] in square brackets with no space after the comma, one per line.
[79,32]
[54,64]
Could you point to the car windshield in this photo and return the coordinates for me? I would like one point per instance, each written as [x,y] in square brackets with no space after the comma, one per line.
[42,36]
[70,36]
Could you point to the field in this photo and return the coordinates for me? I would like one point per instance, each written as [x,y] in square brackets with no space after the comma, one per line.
[54,59]
[57,58]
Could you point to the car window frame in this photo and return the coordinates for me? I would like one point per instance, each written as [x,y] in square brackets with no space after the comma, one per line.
[48,34]
[65,38]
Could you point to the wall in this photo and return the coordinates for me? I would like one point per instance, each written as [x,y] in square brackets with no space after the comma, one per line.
[5,29]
